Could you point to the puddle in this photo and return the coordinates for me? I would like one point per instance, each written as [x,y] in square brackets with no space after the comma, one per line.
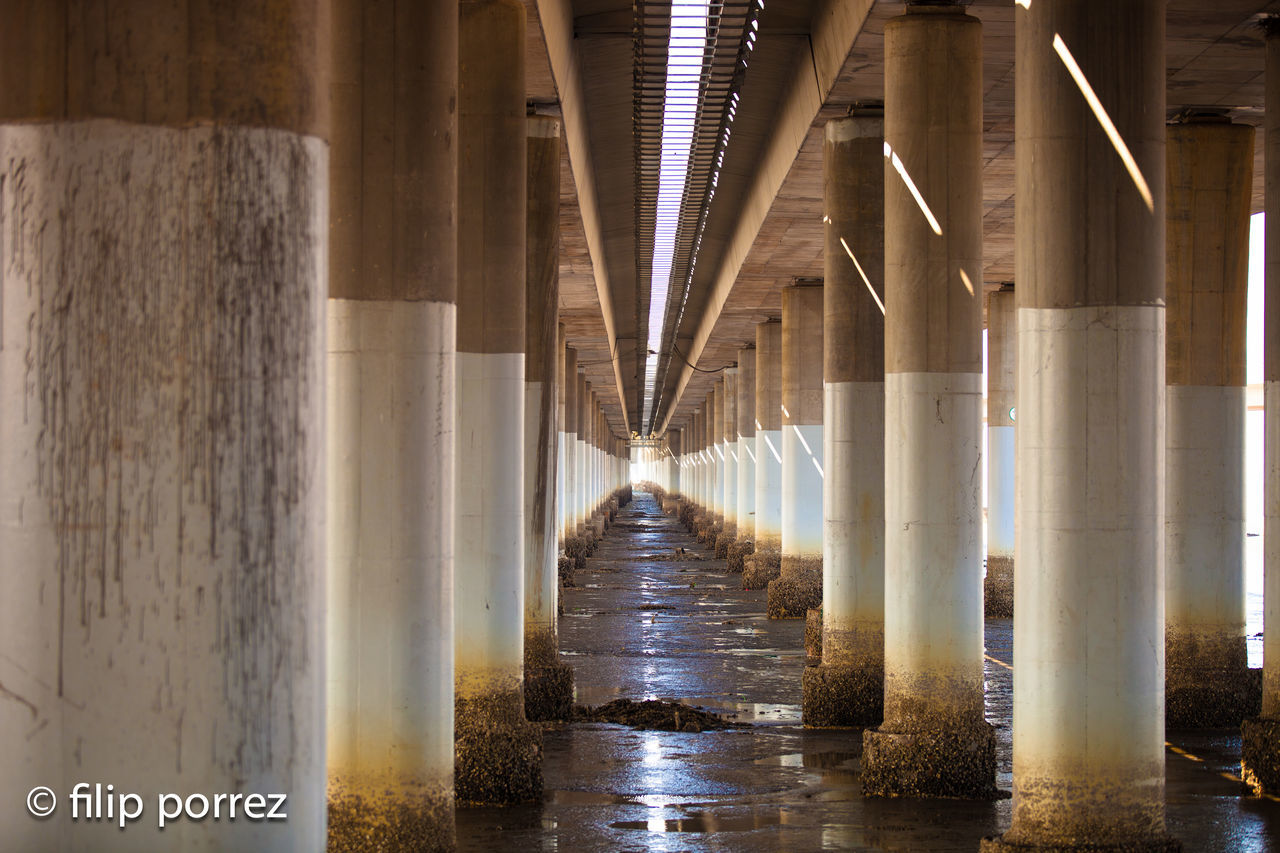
[588,798]
[704,822]
[761,713]
[814,760]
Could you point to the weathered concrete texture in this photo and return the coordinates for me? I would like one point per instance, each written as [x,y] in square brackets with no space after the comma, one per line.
[737,554]
[997,588]
[564,567]
[1207,682]
[837,695]
[548,683]
[379,817]
[163,451]
[949,760]
[813,636]
[499,752]
[760,569]
[1260,755]
[798,588]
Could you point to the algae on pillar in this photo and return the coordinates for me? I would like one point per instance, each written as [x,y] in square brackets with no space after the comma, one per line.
[499,753]
[1260,736]
[746,479]
[766,562]
[997,586]
[548,683]
[847,688]
[162,426]
[1210,181]
[1088,709]
[799,584]
[934,740]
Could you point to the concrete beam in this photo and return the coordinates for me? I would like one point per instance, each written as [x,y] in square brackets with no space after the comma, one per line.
[835,27]
[557,29]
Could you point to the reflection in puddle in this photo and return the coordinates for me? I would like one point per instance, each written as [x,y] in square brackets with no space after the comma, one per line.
[814,760]
[588,798]
[704,822]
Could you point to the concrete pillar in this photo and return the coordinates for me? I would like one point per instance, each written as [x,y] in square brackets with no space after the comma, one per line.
[393,283]
[745,433]
[574,553]
[847,689]
[799,586]
[1260,736]
[715,429]
[580,467]
[675,443]
[729,464]
[499,753]
[581,492]
[164,261]
[934,740]
[1210,183]
[593,459]
[689,438]
[588,438]
[997,586]
[698,465]
[711,485]
[548,683]
[766,563]
[709,417]
[562,417]
[1088,711]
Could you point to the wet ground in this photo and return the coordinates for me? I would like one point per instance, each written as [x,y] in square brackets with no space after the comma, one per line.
[647,623]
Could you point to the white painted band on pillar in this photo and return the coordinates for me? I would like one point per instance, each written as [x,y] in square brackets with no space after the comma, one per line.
[933,549]
[1204,508]
[1271,550]
[802,476]
[390,540]
[580,492]
[717,486]
[541,568]
[768,487]
[1088,587]
[731,457]
[853,505]
[489,533]
[562,495]
[1000,480]
[746,488]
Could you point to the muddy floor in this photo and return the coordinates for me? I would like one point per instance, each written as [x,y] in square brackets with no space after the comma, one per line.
[646,623]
